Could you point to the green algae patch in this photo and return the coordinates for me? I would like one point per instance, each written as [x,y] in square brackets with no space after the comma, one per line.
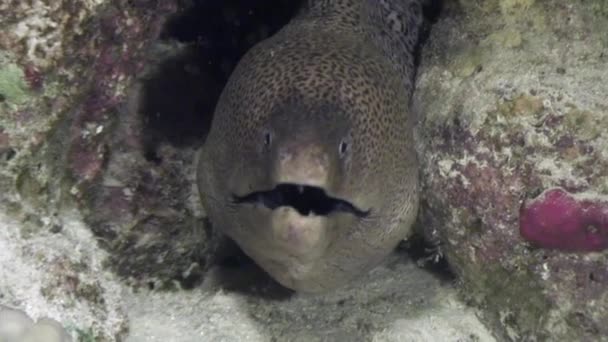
[587,125]
[510,38]
[600,8]
[466,64]
[515,7]
[13,87]
[31,188]
[522,106]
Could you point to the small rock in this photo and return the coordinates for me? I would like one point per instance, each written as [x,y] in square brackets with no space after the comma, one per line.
[13,323]
[16,325]
[46,330]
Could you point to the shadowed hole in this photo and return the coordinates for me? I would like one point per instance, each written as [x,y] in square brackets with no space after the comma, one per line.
[180,93]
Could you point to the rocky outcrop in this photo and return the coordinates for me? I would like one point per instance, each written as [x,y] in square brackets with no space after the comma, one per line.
[514,150]
[66,70]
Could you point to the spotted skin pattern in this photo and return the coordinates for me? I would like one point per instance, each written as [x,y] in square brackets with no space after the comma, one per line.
[323,102]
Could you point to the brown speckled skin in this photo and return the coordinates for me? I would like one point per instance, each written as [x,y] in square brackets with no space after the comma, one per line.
[340,71]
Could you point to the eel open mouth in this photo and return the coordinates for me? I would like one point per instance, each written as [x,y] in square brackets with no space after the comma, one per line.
[304,198]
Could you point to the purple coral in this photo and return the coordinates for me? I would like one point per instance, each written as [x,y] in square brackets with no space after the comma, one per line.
[557,219]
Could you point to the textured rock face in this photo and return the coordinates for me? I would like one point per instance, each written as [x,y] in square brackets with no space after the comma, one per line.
[512,98]
[65,73]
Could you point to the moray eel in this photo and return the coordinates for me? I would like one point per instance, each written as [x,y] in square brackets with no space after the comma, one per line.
[309,165]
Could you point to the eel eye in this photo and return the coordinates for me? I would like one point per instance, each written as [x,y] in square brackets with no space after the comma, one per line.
[267,139]
[343,148]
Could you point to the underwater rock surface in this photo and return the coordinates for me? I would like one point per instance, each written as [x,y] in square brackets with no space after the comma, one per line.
[512,103]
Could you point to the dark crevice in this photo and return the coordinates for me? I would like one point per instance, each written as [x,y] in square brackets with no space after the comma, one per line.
[229,27]
[178,100]
[180,93]
[305,199]
[431,10]
[428,256]
[425,247]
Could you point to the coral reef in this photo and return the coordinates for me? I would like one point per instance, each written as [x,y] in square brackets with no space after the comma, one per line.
[512,104]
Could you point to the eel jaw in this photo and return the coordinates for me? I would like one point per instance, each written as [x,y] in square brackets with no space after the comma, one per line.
[295,242]
[306,199]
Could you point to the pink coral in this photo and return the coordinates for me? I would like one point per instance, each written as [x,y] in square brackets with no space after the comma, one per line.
[557,219]
[560,220]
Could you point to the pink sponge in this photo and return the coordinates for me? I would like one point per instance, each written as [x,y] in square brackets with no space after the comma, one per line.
[560,220]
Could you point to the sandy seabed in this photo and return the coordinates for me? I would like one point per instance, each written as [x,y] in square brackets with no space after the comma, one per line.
[397,301]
